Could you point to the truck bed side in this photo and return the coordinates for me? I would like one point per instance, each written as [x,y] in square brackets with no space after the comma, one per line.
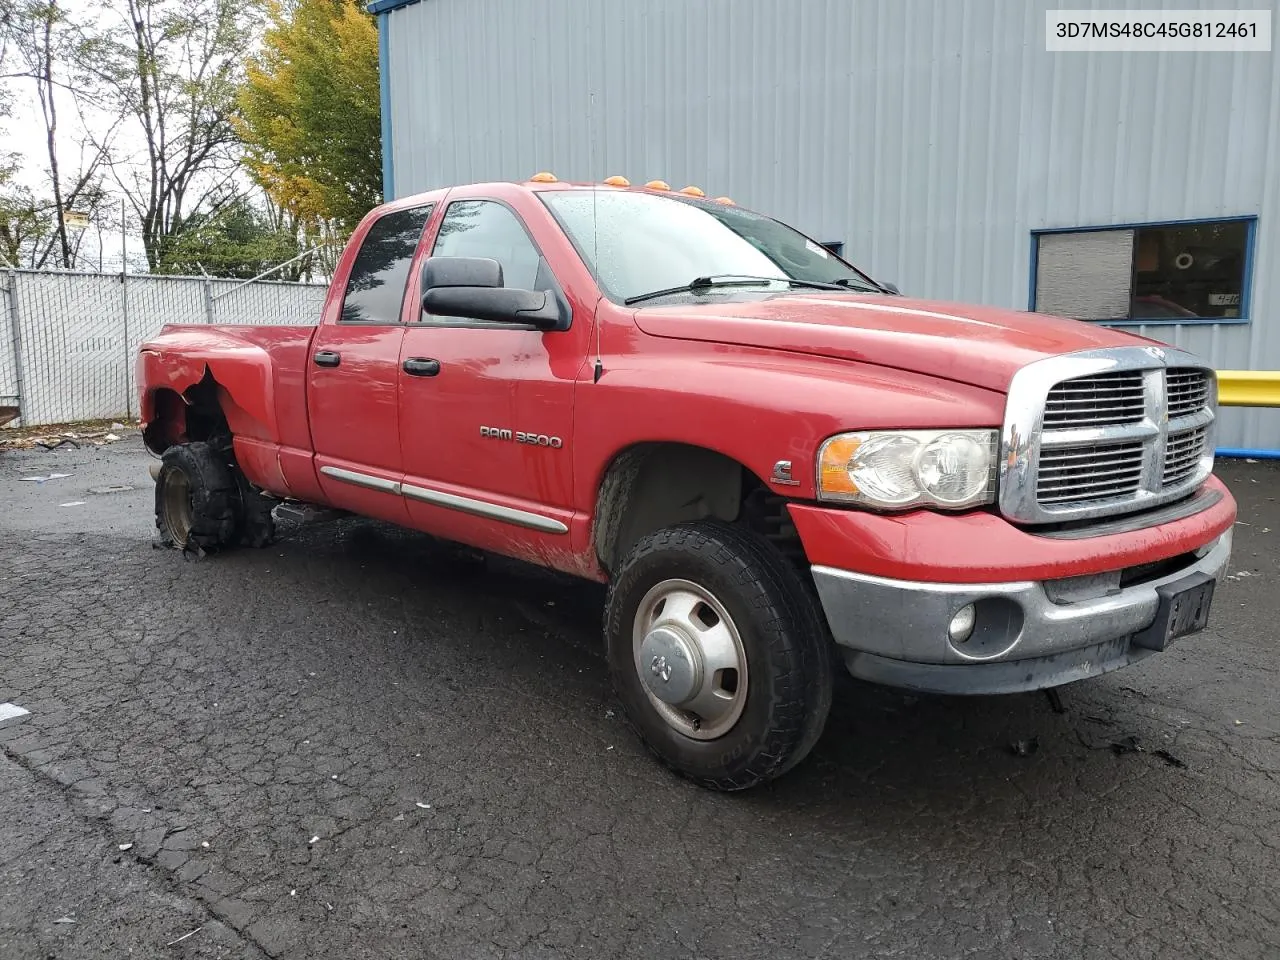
[258,377]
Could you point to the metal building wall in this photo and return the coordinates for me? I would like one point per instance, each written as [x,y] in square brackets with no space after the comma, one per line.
[931,137]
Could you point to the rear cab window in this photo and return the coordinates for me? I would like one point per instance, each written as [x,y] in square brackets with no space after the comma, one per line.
[375,288]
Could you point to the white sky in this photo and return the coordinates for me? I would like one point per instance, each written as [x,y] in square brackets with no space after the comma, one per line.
[23,133]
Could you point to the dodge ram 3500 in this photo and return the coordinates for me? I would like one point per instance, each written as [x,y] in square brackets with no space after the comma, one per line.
[769,457]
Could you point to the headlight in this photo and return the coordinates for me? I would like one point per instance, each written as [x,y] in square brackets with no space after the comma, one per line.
[893,470]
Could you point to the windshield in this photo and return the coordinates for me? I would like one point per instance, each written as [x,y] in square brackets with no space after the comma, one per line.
[638,243]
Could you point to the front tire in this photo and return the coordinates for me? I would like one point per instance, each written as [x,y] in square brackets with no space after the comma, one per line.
[197,499]
[718,654]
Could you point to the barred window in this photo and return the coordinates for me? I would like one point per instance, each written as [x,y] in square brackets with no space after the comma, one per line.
[1154,273]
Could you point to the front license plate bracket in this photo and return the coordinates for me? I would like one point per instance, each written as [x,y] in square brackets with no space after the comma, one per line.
[1184,610]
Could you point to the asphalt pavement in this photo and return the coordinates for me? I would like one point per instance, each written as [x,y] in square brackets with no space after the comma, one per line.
[356,743]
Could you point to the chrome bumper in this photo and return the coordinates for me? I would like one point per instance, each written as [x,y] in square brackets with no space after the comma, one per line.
[1027,636]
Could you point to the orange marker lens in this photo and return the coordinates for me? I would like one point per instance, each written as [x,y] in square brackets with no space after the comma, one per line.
[833,471]
[657,185]
[693,192]
[617,182]
[543,177]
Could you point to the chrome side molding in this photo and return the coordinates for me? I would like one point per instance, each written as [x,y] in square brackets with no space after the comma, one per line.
[451,501]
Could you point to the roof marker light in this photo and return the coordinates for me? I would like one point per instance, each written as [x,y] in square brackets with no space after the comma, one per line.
[657,185]
[726,201]
[617,182]
[543,177]
[693,192]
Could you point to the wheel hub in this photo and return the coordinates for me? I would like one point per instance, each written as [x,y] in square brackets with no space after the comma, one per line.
[689,659]
[177,507]
[672,665]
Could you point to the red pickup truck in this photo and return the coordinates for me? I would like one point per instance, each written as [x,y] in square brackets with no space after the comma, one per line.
[769,457]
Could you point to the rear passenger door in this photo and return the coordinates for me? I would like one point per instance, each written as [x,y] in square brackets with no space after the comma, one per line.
[353,372]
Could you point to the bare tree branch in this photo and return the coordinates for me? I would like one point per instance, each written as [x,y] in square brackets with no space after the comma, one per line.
[171,67]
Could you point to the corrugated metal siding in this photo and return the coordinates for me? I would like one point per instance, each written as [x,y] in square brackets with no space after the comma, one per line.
[931,137]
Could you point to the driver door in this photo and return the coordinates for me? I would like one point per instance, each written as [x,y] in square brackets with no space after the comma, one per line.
[486,409]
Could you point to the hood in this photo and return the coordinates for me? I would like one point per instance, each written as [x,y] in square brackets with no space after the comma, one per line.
[982,346]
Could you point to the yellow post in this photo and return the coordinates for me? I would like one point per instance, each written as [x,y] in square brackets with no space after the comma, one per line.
[1249,388]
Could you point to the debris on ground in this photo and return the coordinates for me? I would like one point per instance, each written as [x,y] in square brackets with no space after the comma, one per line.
[52,476]
[185,935]
[65,920]
[423,806]
[73,503]
[11,711]
[1128,744]
[126,846]
[1170,759]
[54,436]
[1024,748]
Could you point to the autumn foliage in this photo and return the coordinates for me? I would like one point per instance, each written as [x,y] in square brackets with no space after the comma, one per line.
[308,112]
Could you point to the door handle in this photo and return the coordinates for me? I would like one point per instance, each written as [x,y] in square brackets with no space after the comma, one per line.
[326,358]
[421,367]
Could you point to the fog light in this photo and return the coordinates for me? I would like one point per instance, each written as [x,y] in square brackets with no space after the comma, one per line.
[961,627]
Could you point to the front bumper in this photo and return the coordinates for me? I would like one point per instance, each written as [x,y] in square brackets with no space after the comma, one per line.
[1028,634]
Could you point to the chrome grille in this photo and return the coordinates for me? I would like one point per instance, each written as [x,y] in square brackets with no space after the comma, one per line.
[1108,398]
[1182,452]
[1094,472]
[1188,391]
[1105,432]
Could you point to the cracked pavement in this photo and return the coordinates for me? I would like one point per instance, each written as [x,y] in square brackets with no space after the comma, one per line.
[355,744]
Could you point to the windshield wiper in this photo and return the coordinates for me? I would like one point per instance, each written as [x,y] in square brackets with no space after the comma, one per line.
[728,280]
[852,283]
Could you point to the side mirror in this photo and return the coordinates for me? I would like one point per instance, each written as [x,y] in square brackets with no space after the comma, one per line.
[495,305]
[460,272]
[889,288]
[471,288]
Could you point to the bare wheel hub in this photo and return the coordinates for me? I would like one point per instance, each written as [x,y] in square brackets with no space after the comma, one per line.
[179,514]
[690,659]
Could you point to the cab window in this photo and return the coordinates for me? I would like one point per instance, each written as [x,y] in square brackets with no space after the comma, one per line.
[486,228]
[375,289]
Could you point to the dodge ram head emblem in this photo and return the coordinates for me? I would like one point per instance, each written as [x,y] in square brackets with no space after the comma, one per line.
[1157,353]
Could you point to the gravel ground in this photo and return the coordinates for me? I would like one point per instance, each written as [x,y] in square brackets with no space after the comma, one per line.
[351,744]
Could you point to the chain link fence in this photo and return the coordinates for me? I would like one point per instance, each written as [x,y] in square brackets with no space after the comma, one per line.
[68,340]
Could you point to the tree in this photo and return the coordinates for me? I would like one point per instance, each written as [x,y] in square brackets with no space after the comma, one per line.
[238,240]
[25,225]
[171,68]
[308,113]
[38,40]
